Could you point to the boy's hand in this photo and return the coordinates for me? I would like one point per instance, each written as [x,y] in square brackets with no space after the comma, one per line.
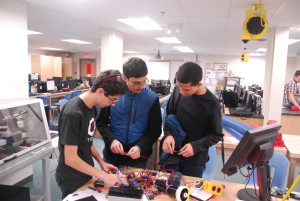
[116,147]
[169,145]
[134,152]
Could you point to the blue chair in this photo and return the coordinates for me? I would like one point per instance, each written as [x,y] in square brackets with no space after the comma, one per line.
[209,169]
[68,96]
[62,103]
[76,93]
[52,108]
[280,164]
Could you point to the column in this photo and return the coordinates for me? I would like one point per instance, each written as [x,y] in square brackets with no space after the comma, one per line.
[275,73]
[14,62]
[111,50]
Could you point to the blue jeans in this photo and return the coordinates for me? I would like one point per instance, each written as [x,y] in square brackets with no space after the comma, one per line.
[291,104]
[132,163]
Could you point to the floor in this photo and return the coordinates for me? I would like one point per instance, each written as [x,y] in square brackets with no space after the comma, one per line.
[36,186]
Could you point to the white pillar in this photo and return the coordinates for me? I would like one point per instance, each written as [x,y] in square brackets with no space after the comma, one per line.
[111,50]
[275,73]
[14,64]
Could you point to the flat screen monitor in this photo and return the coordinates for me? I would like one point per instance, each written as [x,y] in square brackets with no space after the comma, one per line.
[41,87]
[57,81]
[73,83]
[68,77]
[51,85]
[33,76]
[255,148]
[64,84]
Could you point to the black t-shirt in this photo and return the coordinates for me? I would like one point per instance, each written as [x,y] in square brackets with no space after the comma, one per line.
[200,118]
[76,126]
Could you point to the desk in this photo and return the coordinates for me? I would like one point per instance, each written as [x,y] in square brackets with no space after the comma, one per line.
[229,193]
[292,145]
[57,95]
[27,159]
[231,142]
[290,121]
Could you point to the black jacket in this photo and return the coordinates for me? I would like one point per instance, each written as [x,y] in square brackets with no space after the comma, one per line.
[200,118]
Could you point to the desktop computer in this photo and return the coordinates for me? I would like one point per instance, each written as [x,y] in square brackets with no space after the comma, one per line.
[51,86]
[41,87]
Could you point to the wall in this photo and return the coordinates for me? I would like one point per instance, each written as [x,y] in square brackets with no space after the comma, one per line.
[252,71]
[13,50]
[80,55]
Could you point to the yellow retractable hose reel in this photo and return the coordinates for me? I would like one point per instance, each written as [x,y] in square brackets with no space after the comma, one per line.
[255,26]
[256,23]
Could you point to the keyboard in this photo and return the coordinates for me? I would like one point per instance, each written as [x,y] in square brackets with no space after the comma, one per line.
[53,134]
[242,113]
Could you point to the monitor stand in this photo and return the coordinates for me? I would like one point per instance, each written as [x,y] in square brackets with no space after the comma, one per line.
[264,191]
[261,160]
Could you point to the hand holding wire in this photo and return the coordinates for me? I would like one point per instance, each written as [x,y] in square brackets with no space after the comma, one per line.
[116,147]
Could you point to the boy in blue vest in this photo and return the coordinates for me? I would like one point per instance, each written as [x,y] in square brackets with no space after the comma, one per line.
[133,124]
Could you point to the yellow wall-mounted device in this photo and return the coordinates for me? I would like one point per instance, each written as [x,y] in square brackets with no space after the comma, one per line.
[256,23]
[244,57]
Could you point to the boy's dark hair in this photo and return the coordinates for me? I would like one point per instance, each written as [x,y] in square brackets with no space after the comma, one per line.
[189,72]
[297,73]
[135,67]
[112,81]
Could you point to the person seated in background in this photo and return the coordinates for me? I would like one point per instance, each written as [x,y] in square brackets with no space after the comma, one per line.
[132,126]
[76,128]
[290,89]
[193,123]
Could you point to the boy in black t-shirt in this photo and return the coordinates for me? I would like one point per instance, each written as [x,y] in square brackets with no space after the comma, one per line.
[76,128]
[198,113]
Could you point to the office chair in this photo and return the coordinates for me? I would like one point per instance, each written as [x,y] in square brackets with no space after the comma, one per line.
[62,103]
[209,169]
[52,108]
[76,93]
[280,163]
[68,96]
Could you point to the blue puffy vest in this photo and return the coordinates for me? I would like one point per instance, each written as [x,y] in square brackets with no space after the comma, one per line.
[129,116]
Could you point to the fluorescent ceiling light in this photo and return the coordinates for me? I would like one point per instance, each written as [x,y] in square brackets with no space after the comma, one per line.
[132,52]
[29,32]
[183,48]
[261,50]
[292,41]
[168,40]
[298,29]
[76,41]
[50,48]
[144,23]
[256,54]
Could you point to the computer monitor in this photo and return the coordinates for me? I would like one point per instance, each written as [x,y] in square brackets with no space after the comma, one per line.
[50,85]
[64,84]
[68,77]
[249,99]
[41,87]
[33,76]
[58,81]
[73,83]
[255,148]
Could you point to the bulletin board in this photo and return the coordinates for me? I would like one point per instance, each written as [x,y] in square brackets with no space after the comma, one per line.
[212,76]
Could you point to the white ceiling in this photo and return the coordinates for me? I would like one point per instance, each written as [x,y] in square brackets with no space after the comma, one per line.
[209,27]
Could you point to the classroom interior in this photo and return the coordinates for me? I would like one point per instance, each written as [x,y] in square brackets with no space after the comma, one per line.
[46,66]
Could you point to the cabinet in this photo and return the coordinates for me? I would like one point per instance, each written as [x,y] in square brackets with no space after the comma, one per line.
[46,66]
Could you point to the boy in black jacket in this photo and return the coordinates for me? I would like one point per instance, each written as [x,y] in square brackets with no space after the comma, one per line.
[199,114]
